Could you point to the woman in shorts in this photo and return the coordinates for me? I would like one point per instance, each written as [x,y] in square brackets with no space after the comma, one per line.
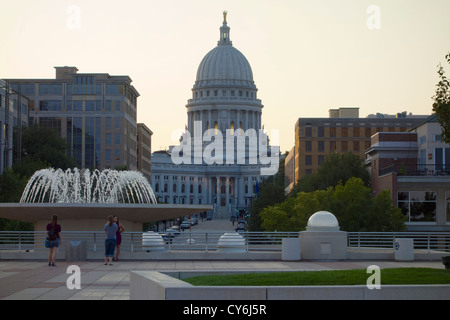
[53,239]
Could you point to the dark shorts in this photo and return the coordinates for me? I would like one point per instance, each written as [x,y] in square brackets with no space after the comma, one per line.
[52,243]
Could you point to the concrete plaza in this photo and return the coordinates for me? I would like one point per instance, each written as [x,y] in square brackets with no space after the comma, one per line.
[30,280]
[35,280]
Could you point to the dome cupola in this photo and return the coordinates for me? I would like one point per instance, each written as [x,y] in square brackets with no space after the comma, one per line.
[224,65]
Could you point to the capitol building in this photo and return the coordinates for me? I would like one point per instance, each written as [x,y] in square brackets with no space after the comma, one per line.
[224,152]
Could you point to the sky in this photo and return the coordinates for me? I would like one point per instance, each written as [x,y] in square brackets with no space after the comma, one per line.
[307,56]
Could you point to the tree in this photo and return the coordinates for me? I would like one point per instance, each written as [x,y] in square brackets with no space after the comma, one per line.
[45,147]
[337,167]
[271,192]
[441,105]
[352,204]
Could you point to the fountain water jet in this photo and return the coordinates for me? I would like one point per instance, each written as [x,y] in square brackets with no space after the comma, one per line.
[82,186]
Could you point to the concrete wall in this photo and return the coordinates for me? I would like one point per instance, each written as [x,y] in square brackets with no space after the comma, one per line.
[152,285]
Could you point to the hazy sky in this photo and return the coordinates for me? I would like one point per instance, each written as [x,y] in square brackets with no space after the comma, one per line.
[307,56]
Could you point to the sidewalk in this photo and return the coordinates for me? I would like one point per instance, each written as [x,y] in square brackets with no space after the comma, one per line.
[21,280]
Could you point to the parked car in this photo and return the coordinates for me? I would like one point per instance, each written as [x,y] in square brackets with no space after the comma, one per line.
[185,225]
[241,226]
[172,232]
[194,221]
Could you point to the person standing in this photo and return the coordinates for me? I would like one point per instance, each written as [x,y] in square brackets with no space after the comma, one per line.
[110,239]
[118,237]
[53,239]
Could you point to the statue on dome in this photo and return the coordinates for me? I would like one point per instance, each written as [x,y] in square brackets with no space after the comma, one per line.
[225,16]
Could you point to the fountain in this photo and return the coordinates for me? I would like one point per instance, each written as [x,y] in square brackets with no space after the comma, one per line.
[83,200]
[82,186]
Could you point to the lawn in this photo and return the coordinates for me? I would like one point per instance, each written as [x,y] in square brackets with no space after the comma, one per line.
[328,277]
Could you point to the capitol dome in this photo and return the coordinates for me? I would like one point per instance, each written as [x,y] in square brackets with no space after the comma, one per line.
[224,65]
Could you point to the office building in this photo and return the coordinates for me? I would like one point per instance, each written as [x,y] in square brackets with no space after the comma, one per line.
[95,112]
[343,131]
[13,113]
[415,167]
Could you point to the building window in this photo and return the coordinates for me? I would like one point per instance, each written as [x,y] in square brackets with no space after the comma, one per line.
[321,146]
[355,146]
[320,159]
[115,89]
[308,160]
[344,132]
[108,154]
[308,132]
[418,206]
[50,89]
[89,105]
[356,132]
[50,105]
[333,146]
[344,146]
[308,146]
[333,132]
[321,132]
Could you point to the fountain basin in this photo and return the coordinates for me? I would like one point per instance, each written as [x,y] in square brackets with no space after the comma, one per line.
[92,216]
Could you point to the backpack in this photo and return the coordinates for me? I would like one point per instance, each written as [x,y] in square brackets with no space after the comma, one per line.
[51,234]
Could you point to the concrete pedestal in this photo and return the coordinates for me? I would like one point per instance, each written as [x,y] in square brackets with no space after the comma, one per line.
[290,250]
[404,249]
[323,245]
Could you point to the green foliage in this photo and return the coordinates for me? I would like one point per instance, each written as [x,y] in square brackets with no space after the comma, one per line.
[45,146]
[11,186]
[352,204]
[41,148]
[394,276]
[441,105]
[337,167]
[271,192]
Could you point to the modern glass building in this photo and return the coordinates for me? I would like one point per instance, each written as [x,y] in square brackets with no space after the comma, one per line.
[13,111]
[95,112]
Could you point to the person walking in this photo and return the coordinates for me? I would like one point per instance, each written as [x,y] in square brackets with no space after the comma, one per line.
[118,237]
[53,239]
[110,239]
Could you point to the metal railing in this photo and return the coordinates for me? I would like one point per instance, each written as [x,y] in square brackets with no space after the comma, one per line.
[132,241]
[416,169]
[207,241]
[428,241]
